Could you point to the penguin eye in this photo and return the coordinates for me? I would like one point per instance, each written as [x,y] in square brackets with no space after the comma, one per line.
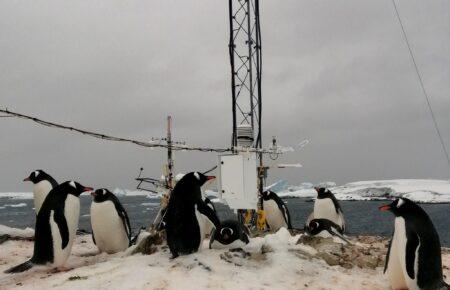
[197,175]
[400,202]
[72,183]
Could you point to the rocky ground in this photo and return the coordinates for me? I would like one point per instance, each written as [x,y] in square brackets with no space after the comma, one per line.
[274,261]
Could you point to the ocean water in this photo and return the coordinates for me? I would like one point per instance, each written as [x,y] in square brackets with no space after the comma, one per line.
[362,217]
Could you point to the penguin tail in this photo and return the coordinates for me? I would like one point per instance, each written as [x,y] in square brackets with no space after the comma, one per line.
[20,268]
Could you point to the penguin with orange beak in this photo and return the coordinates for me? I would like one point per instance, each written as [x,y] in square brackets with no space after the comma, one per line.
[56,227]
[414,259]
[186,214]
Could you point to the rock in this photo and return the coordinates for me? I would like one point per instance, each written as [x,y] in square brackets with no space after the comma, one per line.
[330,259]
[369,253]
[266,249]
[4,238]
[149,244]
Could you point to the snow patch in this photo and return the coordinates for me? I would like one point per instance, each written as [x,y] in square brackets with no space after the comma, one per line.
[13,232]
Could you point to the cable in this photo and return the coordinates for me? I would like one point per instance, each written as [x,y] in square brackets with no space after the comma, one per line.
[177,146]
[444,148]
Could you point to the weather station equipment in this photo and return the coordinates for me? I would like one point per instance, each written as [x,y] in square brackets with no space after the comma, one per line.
[242,173]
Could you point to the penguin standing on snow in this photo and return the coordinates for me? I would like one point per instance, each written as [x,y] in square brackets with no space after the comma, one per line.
[185,212]
[277,213]
[56,227]
[327,207]
[231,235]
[42,184]
[324,228]
[111,230]
[414,259]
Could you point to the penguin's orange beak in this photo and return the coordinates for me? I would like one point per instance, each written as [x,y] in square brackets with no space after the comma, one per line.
[316,188]
[26,179]
[385,207]
[87,189]
[210,177]
[93,193]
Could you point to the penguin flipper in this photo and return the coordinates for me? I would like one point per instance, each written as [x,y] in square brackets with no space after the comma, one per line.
[123,216]
[411,246]
[61,221]
[387,256]
[20,268]
[209,213]
[335,232]
[210,204]
[93,238]
[287,216]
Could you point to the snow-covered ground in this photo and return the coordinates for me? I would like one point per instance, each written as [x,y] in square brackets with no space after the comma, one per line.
[285,265]
[419,190]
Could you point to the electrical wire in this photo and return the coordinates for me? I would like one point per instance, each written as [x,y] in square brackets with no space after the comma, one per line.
[177,146]
[427,98]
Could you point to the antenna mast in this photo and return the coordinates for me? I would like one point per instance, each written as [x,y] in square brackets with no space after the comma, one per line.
[245,60]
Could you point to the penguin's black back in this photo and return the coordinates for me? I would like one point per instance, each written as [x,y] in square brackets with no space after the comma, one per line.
[182,228]
[420,227]
[43,242]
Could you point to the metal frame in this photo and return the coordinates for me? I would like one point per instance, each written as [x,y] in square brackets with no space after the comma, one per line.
[245,59]
[246,69]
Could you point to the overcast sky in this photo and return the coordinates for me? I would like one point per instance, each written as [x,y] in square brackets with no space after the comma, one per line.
[335,72]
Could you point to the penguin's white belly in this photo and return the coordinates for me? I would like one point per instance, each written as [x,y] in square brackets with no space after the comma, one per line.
[324,209]
[208,226]
[201,220]
[396,269]
[109,231]
[40,192]
[274,216]
[71,213]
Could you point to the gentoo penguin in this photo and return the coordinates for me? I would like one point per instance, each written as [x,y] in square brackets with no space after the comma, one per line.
[324,228]
[111,230]
[327,207]
[231,235]
[42,184]
[277,213]
[413,260]
[208,225]
[185,212]
[56,226]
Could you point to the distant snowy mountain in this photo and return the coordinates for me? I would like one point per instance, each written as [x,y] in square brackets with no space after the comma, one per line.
[419,190]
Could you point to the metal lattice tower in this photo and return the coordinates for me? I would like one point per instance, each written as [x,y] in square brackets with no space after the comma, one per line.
[245,59]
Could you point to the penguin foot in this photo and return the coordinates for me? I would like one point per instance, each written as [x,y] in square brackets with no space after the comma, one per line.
[60,270]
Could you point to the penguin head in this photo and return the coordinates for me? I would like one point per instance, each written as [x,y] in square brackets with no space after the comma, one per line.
[226,233]
[101,194]
[195,179]
[322,192]
[74,188]
[229,232]
[400,207]
[314,227]
[37,176]
[266,194]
